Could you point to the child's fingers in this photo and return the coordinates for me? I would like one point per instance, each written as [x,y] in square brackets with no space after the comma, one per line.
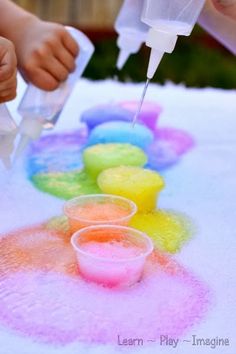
[42,79]
[69,43]
[56,69]
[8,92]
[66,58]
[9,83]
[8,95]
[8,62]
[7,98]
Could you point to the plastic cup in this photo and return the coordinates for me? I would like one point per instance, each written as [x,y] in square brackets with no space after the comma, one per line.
[96,209]
[111,255]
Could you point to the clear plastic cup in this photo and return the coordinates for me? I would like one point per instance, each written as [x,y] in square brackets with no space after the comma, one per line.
[96,209]
[111,255]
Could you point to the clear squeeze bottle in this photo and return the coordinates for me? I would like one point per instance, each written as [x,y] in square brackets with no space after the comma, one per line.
[8,131]
[168,19]
[41,109]
[132,32]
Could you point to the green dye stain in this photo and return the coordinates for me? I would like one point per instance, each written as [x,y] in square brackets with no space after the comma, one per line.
[66,185]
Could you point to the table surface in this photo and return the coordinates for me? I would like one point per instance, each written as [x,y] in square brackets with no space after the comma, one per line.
[202,184]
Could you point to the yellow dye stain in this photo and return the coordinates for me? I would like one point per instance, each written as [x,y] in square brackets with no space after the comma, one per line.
[169,230]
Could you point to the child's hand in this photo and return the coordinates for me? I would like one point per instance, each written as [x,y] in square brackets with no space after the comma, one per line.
[8,64]
[227,7]
[46,53]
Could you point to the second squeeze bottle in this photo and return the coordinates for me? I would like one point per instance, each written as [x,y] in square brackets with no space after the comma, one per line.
[132,32]
[41,109]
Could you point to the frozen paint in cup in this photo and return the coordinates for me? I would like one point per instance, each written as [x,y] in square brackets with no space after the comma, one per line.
[121,133]
[96,209]
[122,111]
[100,114]
[140,185]
[111,255]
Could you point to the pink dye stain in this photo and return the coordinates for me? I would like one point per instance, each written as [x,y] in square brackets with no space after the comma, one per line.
[42,294]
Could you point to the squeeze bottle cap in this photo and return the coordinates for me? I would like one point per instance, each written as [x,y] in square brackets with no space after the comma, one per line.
[30,129]
[160,42]
[6,162]
[128,44]
[7,124]
[6,148]
[8,131]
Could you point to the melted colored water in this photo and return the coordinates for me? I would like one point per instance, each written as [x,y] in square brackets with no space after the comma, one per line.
[167,149]
[56,153]
[54,160]
[169,230]
[43,296]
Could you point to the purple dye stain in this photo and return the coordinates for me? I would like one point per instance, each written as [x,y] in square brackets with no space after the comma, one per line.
[169,146]
[179,140]
[43,296]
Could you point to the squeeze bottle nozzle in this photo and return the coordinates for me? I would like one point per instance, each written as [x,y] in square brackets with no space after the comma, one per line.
[168,19]
[128,44]
[131,30]
[8,131]
[160,43]
[41,109]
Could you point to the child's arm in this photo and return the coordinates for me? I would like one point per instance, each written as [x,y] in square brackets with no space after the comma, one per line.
[8,64]
[45,51]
